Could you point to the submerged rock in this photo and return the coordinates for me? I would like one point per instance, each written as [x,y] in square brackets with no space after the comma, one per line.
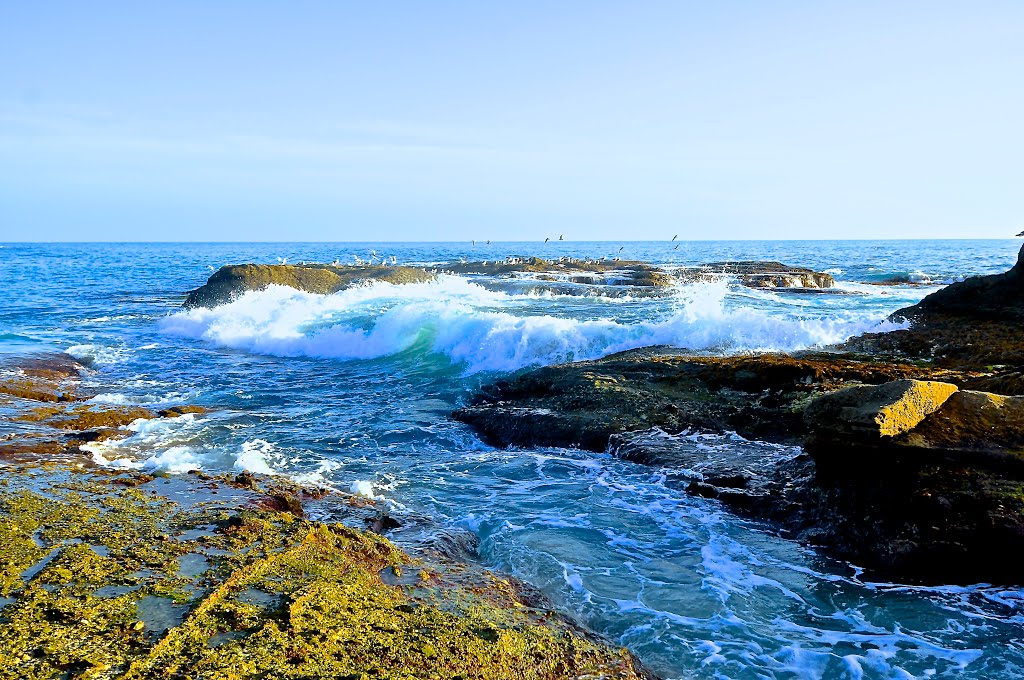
[49,417]
[232,280]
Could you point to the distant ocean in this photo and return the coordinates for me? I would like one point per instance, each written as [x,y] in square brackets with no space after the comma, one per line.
[353,390]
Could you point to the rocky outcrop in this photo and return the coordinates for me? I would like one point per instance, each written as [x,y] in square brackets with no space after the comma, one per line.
[760,274]
[917,420]
[47,415]
[974,323]
[107,574]
[584,403]
[232,280]
[876,413]
[564,276]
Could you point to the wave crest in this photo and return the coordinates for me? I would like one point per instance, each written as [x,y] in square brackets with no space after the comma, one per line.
[484,330]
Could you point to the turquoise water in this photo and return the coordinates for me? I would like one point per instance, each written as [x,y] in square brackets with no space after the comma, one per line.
[353,390]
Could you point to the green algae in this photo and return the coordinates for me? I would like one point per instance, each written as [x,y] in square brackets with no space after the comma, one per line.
[92,568]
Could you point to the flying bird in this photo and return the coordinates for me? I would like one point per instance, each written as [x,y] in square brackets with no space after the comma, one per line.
[546,240]
[620,248]
[560,238]
[1020,234]
[677,247]
[675,237]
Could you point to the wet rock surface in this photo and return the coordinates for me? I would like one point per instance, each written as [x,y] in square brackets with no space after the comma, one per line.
[114,575]
[583,404]
[46,415]
[761,274]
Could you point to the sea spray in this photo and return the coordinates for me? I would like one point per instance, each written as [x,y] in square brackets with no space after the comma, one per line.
[483,330]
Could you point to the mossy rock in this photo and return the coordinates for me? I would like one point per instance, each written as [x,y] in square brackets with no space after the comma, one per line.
[105,581]
[232,280]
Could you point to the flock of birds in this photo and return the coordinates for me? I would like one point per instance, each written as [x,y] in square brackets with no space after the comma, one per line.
[384,261]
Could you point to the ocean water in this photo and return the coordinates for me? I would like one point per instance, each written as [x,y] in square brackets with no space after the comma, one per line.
[353,391]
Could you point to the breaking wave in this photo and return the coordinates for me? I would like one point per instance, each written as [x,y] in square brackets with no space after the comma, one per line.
[484,330]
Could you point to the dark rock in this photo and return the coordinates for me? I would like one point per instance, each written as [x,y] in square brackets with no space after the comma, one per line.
[974,323]
[584,403]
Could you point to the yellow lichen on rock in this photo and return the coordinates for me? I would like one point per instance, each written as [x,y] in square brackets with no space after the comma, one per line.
[872,412]
[910,402]
[97,586]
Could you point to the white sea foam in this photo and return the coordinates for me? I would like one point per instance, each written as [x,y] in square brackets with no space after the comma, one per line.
[361,487]
[486,330]
[254,457]
[99,354]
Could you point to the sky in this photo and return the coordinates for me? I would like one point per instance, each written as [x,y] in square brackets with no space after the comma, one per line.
[423,121]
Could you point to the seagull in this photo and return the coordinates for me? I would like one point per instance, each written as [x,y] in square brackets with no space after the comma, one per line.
[394,259]
[675,237]
[1020,234]
[473,241]
[210,268]
[282,260]
[488,241]
[620,248]
[546,240]
[560,238]
[677,247]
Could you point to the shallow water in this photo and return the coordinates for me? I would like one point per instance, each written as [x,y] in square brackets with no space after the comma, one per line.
[353,390]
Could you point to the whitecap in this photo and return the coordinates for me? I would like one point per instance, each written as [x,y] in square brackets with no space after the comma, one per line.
[485,331]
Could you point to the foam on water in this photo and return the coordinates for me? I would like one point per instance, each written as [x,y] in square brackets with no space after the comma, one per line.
[489,331]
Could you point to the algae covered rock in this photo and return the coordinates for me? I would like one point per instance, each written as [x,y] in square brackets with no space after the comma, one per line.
[105,576]
[232,280]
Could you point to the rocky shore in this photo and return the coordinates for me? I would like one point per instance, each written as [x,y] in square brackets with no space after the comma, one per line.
[107,573]
[900,452]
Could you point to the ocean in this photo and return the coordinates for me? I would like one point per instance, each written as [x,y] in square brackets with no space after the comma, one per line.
[353,391]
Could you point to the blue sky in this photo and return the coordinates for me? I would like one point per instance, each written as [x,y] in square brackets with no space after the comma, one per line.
[511,121]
